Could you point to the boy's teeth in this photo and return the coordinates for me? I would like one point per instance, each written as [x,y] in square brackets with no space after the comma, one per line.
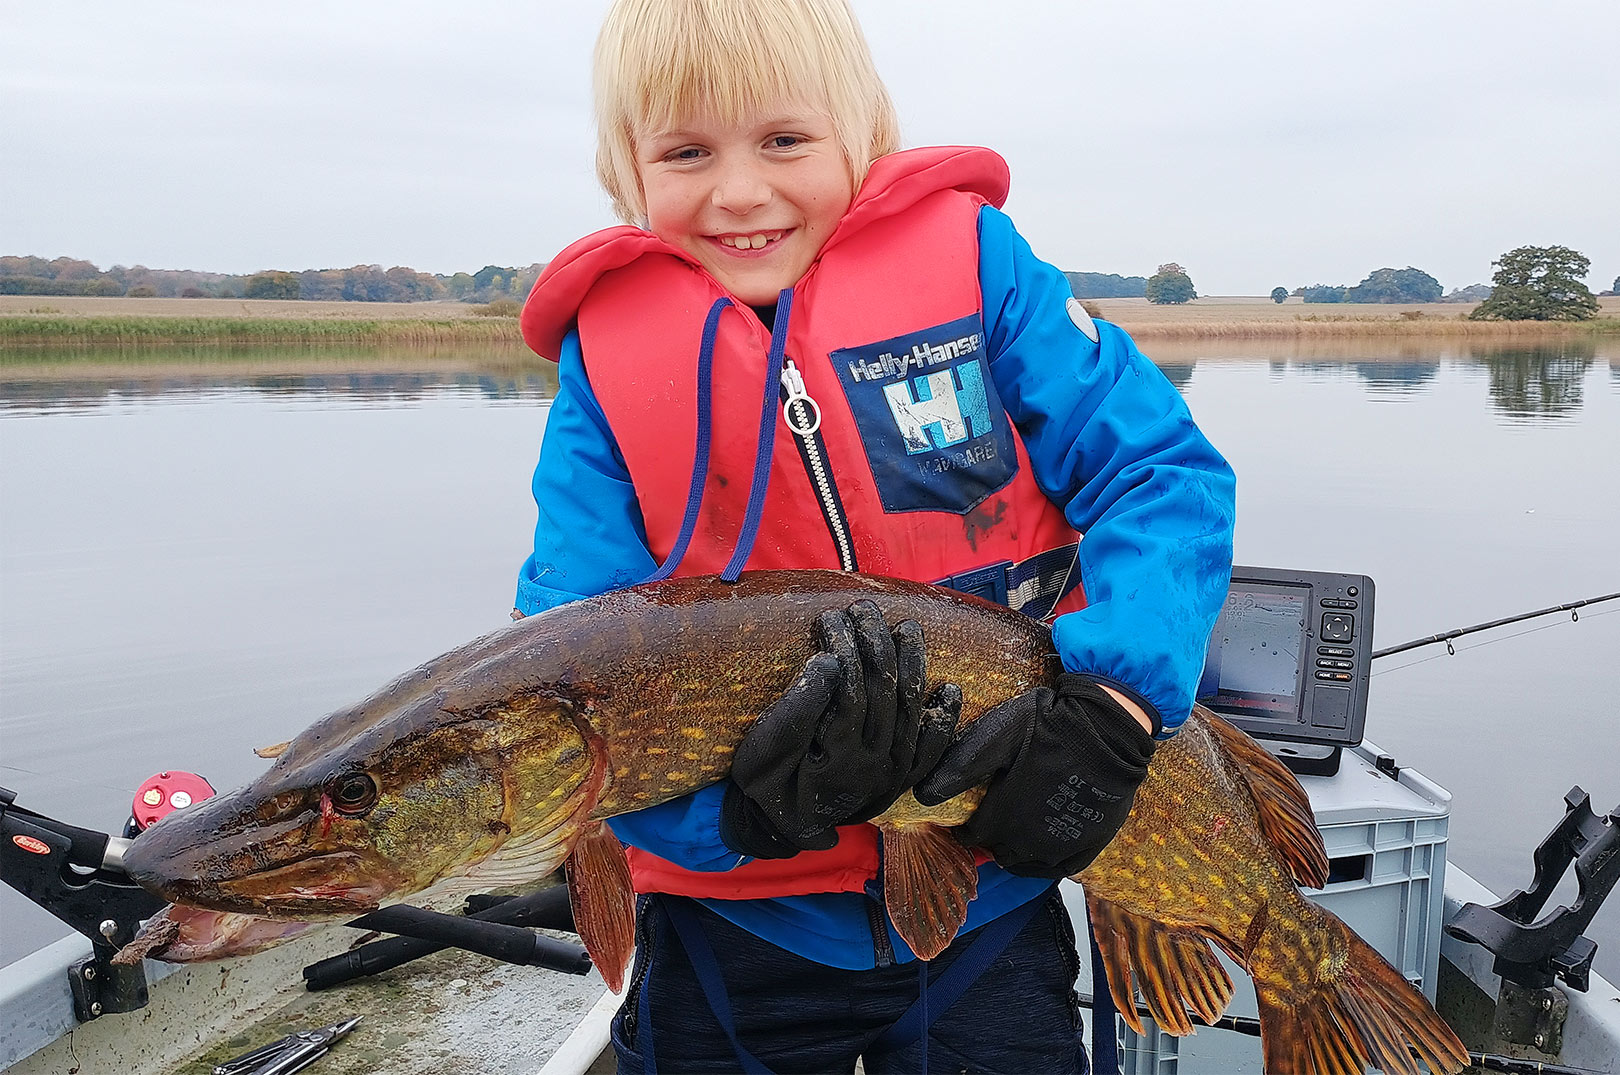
[748,242]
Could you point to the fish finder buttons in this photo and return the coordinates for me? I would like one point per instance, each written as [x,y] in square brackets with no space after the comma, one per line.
[1290,655]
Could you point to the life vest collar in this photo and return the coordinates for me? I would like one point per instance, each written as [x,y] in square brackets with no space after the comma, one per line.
[893,184]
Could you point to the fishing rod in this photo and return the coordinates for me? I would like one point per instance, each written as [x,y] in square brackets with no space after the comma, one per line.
[1571,607]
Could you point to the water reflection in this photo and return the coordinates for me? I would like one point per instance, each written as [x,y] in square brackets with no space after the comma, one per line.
[1177,373]
[1386,380]
[1541,383]
[20,393]
[1534,383]
[1538,382]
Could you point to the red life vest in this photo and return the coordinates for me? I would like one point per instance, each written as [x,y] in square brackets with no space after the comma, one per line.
[886,330]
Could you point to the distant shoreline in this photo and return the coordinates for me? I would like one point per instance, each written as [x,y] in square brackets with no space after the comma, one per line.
[30,323]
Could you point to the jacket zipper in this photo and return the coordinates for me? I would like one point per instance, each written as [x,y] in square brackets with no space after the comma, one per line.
[803,417]
[882,950]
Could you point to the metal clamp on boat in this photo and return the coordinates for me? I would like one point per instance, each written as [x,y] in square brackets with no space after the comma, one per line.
[1530,954]
[77,875]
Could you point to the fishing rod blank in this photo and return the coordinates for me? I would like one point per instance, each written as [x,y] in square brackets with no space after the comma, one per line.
[1447,636]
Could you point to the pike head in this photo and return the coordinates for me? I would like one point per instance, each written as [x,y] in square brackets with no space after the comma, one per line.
[452,778]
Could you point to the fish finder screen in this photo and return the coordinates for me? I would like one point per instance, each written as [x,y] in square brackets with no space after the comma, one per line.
[1253,663]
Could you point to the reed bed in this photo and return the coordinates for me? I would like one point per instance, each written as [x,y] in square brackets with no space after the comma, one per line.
[131,333]
[134,325]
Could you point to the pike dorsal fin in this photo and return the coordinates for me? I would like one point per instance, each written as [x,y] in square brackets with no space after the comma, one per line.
[273,751]
[1176,970]
[604,903]
[1284,812]
[928,881]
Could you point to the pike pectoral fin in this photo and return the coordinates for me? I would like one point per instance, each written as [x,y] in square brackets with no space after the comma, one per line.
[1176,970]
[1284,811]
[604,903]
[273,752]
[928,880]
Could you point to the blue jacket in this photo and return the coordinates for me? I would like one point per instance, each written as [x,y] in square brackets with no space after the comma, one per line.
[1110,441]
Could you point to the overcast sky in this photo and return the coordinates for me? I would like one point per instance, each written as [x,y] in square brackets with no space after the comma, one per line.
[1257,143]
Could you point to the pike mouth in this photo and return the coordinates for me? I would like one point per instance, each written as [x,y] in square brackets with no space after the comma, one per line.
[312,885]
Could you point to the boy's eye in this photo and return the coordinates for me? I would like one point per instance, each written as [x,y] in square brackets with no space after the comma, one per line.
[685,153]
[784,141]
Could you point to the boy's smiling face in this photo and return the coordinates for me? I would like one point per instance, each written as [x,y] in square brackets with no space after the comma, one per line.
[753,201]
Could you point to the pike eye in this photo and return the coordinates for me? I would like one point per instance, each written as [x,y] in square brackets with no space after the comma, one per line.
[352,793]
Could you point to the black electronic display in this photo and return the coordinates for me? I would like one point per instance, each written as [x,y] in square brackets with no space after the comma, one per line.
[1290,655]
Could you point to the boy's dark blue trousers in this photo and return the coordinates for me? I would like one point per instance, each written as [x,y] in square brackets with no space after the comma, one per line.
[793,1015]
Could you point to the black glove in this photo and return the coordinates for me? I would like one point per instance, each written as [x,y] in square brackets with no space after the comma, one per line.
[842,743]
[1062,767]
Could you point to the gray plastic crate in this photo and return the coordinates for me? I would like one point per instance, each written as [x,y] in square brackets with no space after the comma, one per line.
[1386,842]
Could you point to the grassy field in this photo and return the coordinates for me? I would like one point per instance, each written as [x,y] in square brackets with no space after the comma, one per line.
[121,324]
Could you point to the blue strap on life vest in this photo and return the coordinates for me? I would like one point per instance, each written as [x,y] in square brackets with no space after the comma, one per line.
[1104,1042]
[1033,586]
[644,1029]
[767,439]
[689,932]
[937,998]
[766,442]
[705,435]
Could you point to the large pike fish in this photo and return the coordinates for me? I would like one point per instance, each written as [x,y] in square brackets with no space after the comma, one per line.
[493,764]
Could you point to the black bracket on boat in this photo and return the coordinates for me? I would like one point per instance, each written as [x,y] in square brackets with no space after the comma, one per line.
[77,875]
[494,926]
[1532,953]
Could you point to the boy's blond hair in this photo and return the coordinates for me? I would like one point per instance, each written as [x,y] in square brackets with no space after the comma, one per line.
[660,62]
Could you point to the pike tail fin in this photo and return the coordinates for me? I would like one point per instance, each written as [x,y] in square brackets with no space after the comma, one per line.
[1176,970]
[1283,810]
[928,880]
[603,902]
[1367,1014]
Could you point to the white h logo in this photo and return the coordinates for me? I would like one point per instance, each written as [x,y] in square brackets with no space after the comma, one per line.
[937,408]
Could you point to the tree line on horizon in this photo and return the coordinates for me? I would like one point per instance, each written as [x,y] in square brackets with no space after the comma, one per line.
[29,275]
[1530,283]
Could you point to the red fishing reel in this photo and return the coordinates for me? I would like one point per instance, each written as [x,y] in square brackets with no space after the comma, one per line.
[163,794]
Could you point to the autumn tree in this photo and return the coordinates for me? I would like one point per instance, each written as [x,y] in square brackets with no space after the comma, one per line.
[271,285]
[1170,284]
[1539,283]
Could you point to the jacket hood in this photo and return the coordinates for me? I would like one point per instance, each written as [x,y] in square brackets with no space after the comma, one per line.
[894,183]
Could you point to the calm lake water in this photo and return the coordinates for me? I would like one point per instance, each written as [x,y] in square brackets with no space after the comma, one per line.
[195,562]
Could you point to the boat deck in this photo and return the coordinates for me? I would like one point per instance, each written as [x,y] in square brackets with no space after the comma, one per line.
[451,1011]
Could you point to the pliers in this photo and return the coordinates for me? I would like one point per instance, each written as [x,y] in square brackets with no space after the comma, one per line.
[295,1052]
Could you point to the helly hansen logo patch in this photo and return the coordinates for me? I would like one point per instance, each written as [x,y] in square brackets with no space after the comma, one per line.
[933,427]
[940,409]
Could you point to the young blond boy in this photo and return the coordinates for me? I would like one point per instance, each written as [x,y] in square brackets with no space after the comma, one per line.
[807,349]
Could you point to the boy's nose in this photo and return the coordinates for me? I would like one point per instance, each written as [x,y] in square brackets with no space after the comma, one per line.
[740,188]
